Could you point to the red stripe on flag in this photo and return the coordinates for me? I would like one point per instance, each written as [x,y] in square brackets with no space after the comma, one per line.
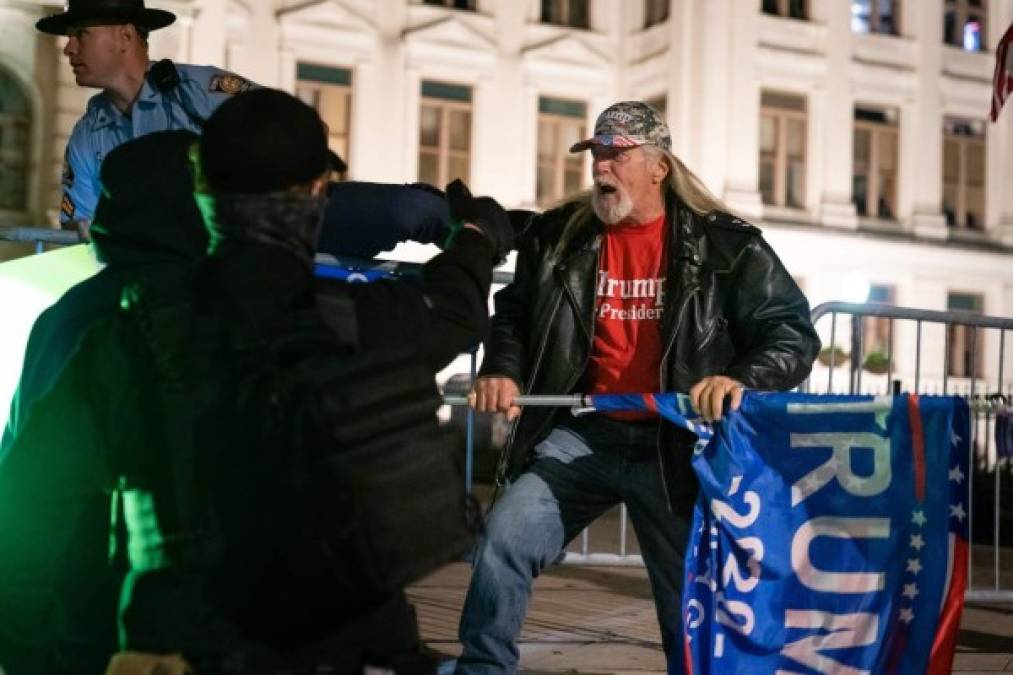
[917,445]
[1002,81]
[898,643]
[650,403]
[945,642]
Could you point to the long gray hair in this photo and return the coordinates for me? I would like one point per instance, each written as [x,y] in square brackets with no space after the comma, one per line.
[682,183]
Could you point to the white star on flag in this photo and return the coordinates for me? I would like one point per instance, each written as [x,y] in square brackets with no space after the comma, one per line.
[910,591]
[958,512]
[917,542]
[913,566]
[918,518]
[907,615]
[956,475]
[954,438]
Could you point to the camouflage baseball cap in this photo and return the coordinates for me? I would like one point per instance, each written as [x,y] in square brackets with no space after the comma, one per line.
[628,124]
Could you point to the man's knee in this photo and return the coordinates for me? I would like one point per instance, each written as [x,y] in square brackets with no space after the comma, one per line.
[524,529]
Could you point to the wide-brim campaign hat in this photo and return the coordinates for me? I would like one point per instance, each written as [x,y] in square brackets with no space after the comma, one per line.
[105,12]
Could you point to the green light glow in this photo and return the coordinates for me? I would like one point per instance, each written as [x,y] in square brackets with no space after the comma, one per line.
[27,286]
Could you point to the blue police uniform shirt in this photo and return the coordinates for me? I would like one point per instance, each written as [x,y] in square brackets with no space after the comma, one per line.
[201,89]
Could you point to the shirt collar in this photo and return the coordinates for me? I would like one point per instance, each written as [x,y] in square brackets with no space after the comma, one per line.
[103,112]
[106,114]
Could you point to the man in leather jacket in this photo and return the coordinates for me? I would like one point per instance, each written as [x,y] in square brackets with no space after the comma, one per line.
[645,284]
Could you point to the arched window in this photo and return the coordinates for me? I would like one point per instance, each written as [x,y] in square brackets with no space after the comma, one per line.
[15,124]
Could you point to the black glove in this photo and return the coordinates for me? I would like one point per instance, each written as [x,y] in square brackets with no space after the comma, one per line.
[484,213]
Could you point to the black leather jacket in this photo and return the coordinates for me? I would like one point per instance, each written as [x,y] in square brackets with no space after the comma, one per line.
[731,308]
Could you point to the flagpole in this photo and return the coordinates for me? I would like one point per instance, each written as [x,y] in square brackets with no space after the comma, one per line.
[545,401]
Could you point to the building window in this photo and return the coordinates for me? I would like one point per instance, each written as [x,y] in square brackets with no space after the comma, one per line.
[655,12]
[444,133]
[964,24]
[453,4]
[560,125]
[15,125]
[573,13]
[964,174]
[659,103]
[877,338]
[794,9]
[329,91]
[875,16]
[965,355]
[874,178]
[782,150]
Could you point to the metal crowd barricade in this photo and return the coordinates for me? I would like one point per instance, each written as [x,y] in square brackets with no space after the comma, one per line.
[40,236]
[918,371]
[978,351]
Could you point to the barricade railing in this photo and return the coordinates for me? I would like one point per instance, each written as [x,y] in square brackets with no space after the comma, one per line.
[901,370]
[949,352]
[39,236]
[946,362]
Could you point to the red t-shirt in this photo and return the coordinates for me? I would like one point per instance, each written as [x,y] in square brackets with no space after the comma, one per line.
[629,300]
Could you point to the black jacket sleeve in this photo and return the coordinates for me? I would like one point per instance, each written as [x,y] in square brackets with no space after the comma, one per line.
[363,219]
[775,339]
[443,313]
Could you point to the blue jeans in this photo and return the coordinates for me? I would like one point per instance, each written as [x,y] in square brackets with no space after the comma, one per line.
[578,472]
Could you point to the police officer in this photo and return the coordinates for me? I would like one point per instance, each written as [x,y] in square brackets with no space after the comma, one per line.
[107,47]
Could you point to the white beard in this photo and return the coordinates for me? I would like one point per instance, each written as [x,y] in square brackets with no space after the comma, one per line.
[614,211]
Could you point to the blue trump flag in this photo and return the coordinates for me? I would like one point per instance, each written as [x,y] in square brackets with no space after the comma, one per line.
[830,534]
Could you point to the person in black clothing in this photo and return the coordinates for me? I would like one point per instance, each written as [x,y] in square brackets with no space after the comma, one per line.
[118,421]
[148,228]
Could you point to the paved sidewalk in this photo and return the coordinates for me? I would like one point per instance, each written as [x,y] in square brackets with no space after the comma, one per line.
[601,620]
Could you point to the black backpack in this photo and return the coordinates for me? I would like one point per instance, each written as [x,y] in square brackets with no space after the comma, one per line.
[307,478]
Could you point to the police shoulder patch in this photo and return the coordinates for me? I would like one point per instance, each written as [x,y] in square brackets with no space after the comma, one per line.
[67,206]
[229,83]
[68,174]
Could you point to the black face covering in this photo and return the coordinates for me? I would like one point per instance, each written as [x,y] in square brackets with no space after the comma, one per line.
[291,222]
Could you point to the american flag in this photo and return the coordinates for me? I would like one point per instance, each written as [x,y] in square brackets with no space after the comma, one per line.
[1002,81]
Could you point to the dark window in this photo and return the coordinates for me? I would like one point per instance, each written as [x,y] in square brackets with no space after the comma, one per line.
[877,334]
[964,24]
[783,149]
[875,16]
[965,356]
[15,125]
[793,9]
[874,164]
[573,13]
[329,91]
[444,133]
[455,4]
[561,123]
[655,12]
[964,174]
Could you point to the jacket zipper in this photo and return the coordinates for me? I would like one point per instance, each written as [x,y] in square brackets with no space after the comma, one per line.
[504,461]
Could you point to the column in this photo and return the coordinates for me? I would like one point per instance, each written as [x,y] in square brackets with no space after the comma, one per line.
[503,113]
[926,121]
[743,124]
[713,104]
[837,110]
